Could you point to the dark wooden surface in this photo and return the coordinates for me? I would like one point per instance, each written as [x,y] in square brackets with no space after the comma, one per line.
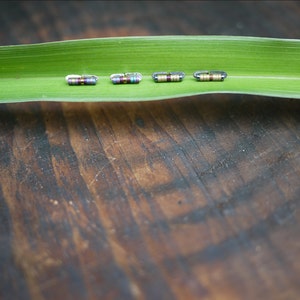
[191,198]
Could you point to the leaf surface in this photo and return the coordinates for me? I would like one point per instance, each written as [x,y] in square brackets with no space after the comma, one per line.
[258,66]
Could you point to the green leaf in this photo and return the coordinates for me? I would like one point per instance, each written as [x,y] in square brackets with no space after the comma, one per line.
[258,66]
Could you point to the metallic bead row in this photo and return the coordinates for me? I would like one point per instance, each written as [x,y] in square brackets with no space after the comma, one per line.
[136,77]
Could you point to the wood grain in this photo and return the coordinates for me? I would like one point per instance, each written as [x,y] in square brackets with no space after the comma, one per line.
[190,198]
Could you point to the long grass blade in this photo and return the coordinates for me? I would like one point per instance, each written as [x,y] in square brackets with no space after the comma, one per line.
[257,66]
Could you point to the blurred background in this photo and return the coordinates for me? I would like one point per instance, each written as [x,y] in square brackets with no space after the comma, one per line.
[42,21]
